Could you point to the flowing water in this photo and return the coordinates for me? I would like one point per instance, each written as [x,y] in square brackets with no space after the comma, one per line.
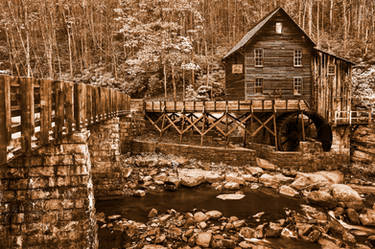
[186,199]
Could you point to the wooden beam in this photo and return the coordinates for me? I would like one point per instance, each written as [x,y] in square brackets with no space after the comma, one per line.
[45,111]
[5,118]
[59,110]
[27,113]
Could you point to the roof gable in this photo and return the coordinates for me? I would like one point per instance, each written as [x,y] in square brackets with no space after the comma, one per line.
[251,34]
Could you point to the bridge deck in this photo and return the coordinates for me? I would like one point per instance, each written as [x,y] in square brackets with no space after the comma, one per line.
[264,105]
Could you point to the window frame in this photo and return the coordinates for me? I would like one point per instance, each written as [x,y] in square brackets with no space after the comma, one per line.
[280,25]
[297,57]
[296,80]
[256,56]
[256,86]
[334,70]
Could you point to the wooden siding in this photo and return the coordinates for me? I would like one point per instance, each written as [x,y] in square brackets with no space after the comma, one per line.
[278,68]
[331,92]
[234,83]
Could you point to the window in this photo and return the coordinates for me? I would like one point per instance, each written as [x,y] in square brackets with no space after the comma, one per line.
[332,70]
[279,27]
[297,85]
[259,85]
[298,58]
[258,54]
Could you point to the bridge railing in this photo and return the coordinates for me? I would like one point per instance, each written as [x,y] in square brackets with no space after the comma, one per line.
[36,112]
[353,117]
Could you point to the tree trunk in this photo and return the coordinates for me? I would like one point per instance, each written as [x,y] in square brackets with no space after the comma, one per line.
[165,81]
[174,85]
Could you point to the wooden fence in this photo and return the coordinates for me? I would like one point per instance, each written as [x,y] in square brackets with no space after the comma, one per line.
[353,117]
[36,112]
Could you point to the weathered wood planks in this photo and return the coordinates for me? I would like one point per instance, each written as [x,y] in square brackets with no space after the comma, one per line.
[57,108]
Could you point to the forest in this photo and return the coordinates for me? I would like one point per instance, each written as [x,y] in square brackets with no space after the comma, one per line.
[151,47]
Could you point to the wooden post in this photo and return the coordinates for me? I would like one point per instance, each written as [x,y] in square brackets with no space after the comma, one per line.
[274,123]
[369,117]
[59,110]
[5,117]
[79,106]
[45,111]
[251,121]
[27,113]
[69,105]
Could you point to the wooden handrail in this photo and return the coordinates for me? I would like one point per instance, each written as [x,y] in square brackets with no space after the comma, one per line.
[48,110]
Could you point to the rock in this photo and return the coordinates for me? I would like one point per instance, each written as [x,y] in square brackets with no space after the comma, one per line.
[200,216]
[202,225]
[127,172]
[368,218]
[255,171]
[348,237]
[321,197]
[114,217]
[159,239]
[230,196]
[259,231]
[100,217]
[153,212]
[191,177]
[238,223]
[231,177]
[288,191]
[249,178]
[342,192]
[303,229]
[232,186]
[247,232]
[273,230]
[328,244]
[245,245]
[203,239]
[162,177]
[213,177]
[314,235]
[320,178]
[286,233]
[154,247]
[139,193]
[353,216]
[371,239]
[214,214]
[264,164]
[268,180]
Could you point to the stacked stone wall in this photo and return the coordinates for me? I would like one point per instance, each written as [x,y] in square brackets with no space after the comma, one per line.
[231,156]
[48,199]
[363,150]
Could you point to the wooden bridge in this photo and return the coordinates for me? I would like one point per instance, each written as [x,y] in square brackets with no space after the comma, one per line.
[35,112]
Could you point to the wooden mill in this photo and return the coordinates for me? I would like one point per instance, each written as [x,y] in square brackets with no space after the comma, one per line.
[280,88]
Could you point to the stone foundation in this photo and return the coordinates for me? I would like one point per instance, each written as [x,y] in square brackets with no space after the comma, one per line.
[48,199]
[310,157]
[363,150]
[232,156]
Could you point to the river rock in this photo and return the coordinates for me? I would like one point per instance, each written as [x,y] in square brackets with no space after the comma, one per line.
[264,164]
[368,218]
[342,192]
[230,196]
[268,180]
[191,177]
[273,230]
[247,232]
[232,186]
[153,212]
[320,178]
[231,177]
[353,216]
[286,233]
[203,239]
[200,216]
[288,191]
[154,247]
[139,193]
[255,171]
[213,177]
[214,214]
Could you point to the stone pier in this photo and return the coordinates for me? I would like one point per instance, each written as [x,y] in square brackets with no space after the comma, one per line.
[47,198]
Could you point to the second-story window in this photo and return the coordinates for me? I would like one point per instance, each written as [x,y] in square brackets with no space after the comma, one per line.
[279,27]
[298,58]
[258,56]
[259,85]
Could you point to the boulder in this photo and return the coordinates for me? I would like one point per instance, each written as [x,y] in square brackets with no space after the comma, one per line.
[353,216]
[247,232]
[230,196]
[191,177]
[231,177]
[214,214]
[368,218]
[200,216]
[342,192]
[320,178]
[154,247]
[288,191]
[264,164]
[153,212]
[255,171]
[273,230]
[203,239]
[232,185]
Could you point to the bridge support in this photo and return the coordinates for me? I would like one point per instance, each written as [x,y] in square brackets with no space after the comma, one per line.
[47,198]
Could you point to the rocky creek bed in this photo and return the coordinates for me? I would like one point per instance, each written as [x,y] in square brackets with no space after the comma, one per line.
[281,208]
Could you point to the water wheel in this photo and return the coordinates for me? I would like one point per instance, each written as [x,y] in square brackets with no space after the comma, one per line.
[291,127]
